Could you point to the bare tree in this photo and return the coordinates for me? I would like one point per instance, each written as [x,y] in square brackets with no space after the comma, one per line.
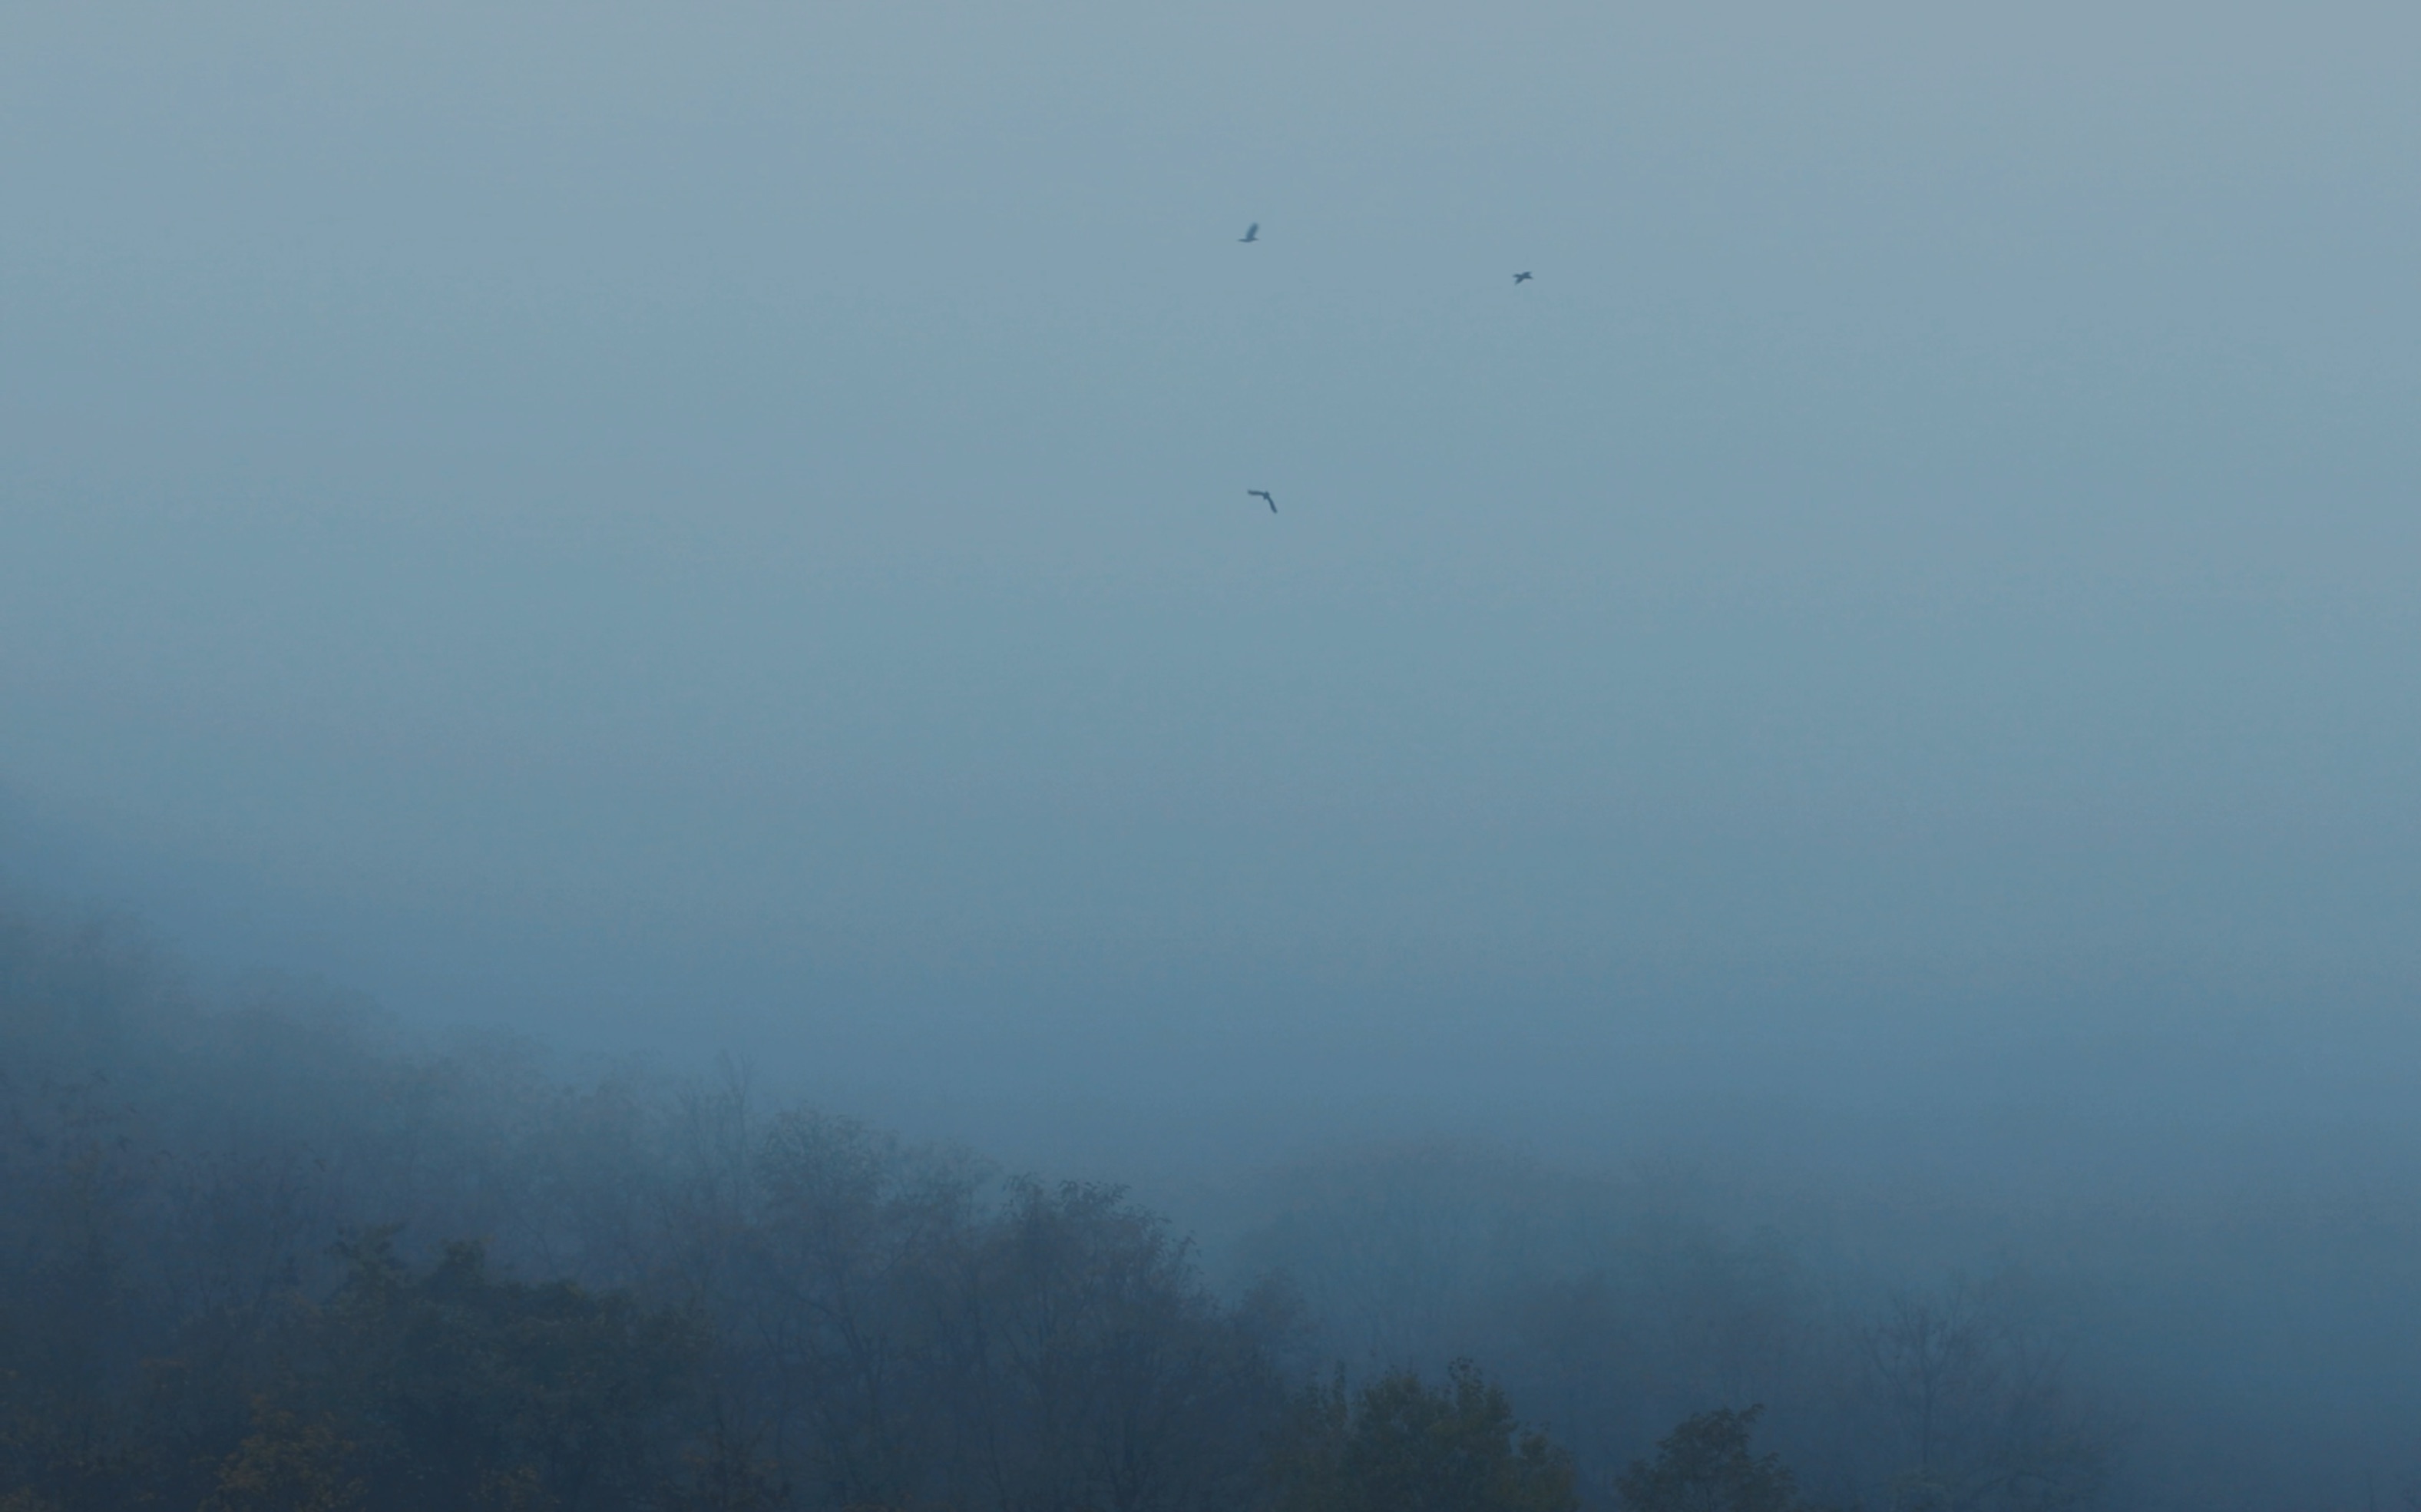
[1979,1403]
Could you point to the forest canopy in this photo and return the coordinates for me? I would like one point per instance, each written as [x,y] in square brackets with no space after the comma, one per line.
[276,1255]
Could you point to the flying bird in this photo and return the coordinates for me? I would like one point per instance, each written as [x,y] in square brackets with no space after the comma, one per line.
[1263,495]
[1520,278]
[1252,232]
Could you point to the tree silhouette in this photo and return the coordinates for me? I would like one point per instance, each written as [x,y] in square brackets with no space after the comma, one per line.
[1400,1445]
[1706,1465]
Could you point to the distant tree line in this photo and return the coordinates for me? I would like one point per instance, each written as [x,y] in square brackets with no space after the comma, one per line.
[271,1261]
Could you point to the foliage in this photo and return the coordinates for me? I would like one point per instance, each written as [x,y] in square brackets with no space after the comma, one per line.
[463,1390]
[677,1301]
[1981,1408]
[290,1465]
[1706,1465]
[1398,1444]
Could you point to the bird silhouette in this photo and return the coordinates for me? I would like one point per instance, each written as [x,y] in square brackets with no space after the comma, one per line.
[1252,232]
[1520,278]
[1263,495]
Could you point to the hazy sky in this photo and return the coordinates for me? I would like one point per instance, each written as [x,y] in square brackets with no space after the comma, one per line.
[689,524]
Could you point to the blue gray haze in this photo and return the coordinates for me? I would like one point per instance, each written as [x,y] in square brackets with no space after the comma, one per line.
[731,529]
[723,530]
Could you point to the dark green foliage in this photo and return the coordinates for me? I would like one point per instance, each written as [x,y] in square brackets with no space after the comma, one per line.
[736,1315]
[907,1340]
[1706,1465]
[72,1181]
[288,1464]
[678,1304]
[1400,1445]
[457,1389]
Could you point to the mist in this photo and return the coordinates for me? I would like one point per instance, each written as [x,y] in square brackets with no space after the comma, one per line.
[1869,702]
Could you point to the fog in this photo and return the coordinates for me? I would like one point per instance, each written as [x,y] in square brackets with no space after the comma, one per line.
[1875,690]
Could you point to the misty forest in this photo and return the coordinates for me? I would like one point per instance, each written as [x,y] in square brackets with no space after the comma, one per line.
[268,1255]
[1268,755]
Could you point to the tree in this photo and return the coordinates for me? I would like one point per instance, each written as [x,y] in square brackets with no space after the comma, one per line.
[1706,1465]
[1400,1445]
[1098,1371]
[453,1388]
[289,1465]
[1979,1401]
